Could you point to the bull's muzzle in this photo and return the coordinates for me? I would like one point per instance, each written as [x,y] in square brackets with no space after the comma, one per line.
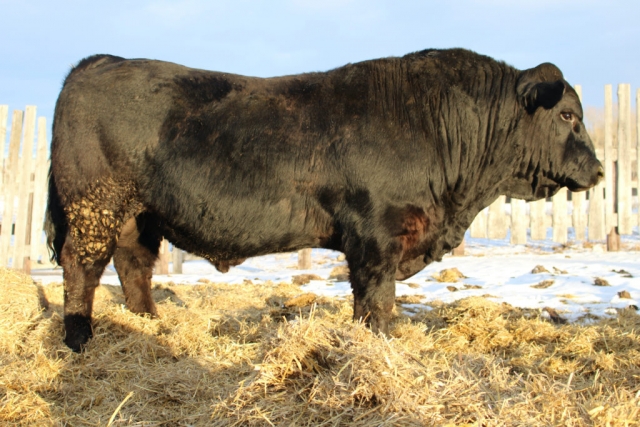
[593,178]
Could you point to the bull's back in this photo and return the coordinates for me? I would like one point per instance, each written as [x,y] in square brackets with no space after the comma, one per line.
[216,156]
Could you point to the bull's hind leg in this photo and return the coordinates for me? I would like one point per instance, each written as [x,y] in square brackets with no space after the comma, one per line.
[94,221]
[134,258]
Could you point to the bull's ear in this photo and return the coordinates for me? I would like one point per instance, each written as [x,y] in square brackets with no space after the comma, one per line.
[542,86]
[544,94]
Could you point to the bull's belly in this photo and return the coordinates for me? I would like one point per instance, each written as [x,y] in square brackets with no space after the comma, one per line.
[223,246]
[248,233]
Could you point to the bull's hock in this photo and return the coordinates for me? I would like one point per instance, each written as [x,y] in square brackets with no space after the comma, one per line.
[386,160]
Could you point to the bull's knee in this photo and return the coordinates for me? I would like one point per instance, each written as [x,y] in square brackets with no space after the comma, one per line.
[134,271]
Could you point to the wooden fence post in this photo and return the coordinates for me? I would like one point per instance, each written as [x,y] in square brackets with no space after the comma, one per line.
[162,265]
[518,222]
[596,218]
[40,189]
[638,146]
[609,162]
[560,216]
[478,227]
[601,218]
[578,215]
[20,256]
[304,259]
[613,240]
[538,222]
[578,200]
[4,115]
[177,257]
[497,219]
[624,159]
[9,189]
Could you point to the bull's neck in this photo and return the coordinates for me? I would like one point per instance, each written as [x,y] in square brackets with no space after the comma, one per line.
[468,124]
[461,123]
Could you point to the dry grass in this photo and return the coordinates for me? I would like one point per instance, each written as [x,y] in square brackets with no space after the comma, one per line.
[236,355]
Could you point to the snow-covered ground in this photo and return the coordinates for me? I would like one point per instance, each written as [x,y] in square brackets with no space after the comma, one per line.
[493,268]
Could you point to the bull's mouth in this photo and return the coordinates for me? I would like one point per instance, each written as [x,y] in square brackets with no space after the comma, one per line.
[572,185]
[575,186]
[543,185]
[577,189]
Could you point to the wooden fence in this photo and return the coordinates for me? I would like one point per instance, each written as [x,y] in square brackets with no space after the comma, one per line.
[609,206]
[23,188]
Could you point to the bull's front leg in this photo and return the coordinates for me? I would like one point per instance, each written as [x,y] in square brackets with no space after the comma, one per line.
[372,272]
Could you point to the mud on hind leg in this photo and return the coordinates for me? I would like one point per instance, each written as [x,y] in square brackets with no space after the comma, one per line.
[134,258]
[94,222]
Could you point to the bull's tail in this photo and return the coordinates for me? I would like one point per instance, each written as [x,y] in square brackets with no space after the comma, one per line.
[55,223]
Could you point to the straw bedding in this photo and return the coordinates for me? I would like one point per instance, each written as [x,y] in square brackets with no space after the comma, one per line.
[269,354]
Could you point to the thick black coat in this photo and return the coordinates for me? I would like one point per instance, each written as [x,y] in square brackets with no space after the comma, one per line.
[386,160]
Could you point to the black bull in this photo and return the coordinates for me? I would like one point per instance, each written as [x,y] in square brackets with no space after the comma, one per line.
[386,160]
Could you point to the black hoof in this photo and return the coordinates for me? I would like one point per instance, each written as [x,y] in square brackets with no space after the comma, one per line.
[380,326]
[78,331]
[377,324]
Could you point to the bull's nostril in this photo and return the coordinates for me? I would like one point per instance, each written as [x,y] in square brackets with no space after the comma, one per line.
[600,172]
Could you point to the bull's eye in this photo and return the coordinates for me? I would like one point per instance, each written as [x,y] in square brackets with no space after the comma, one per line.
[567,117]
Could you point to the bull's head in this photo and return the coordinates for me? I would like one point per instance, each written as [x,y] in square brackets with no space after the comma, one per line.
[557,151]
